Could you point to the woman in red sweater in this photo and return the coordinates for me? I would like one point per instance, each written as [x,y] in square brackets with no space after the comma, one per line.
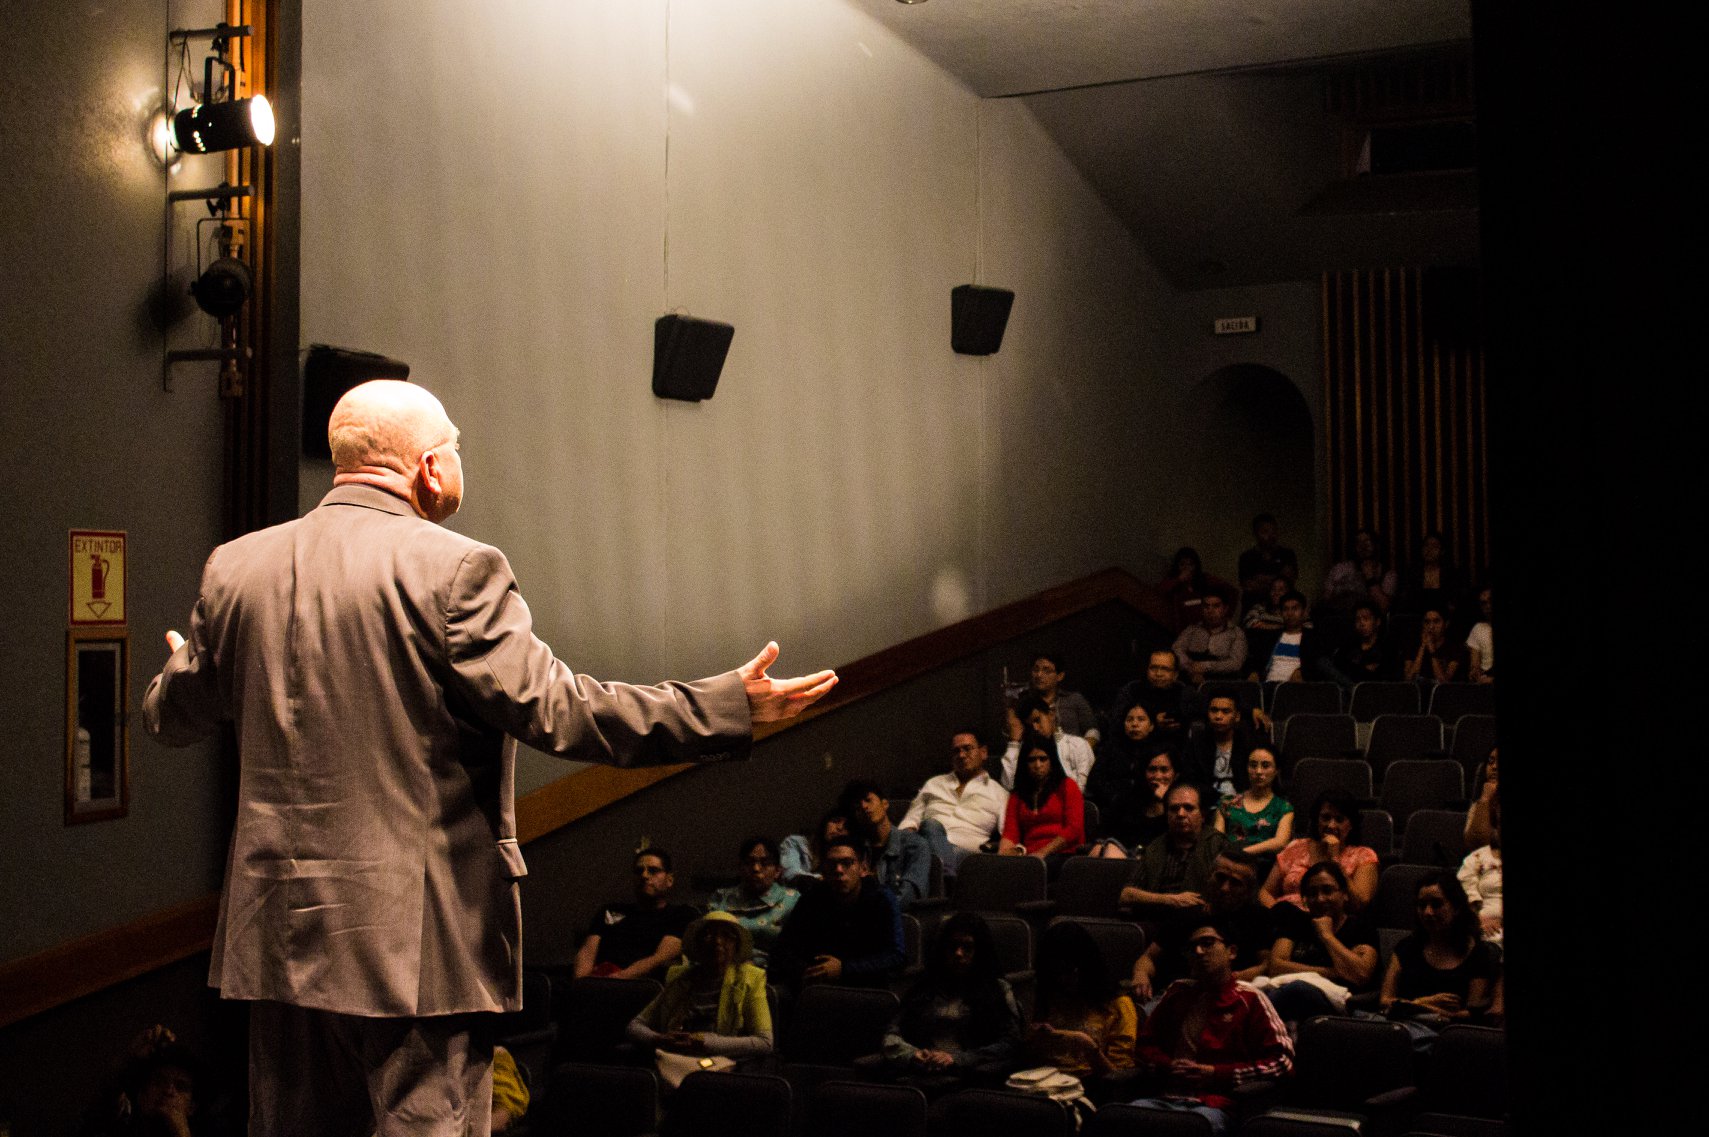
[1046,816]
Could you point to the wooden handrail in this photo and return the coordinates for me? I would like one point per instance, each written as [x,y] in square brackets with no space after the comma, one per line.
[79,967]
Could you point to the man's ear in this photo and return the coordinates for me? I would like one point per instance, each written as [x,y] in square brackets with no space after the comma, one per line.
[428,473]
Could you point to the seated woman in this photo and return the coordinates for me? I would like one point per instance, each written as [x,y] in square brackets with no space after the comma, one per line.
[1257,819]
[1124,780]
[1323,940]
[1480,876]
[714,1005]
[1046,816]
[1443,971]
[1480,641]
[1082,1023]
[1334,836]
[1440,657]
[760,903]
[960,1018]
[1479,830]
[1186,585]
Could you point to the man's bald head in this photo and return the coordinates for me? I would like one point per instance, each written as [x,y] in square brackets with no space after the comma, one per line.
[393,435]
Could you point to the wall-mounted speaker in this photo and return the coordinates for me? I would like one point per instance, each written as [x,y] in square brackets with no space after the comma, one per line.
[688,355]
[327,374]
[977,317]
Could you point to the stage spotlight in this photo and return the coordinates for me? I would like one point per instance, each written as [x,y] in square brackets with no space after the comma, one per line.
[207,127]
[222,289]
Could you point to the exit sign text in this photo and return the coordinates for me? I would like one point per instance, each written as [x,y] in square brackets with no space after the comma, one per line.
[1235,325]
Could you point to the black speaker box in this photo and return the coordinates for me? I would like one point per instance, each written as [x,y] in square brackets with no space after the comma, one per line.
[977,317]
[327,374]
[688,355]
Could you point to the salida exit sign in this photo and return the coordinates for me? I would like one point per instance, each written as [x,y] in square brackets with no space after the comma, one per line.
[1235,325]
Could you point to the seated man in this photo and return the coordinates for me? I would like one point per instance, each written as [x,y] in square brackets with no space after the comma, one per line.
[1037,715]
[1265,562]
[1297,651]
[1213,648]
[847,932]
[639,940]
[1174,871]
[1163,697]
[900,858]
[1210,1033]
[1234,906]
[962,811]
[761,902]
[1073,713]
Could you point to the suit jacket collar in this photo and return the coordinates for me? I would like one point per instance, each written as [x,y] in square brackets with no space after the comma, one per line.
[372,497]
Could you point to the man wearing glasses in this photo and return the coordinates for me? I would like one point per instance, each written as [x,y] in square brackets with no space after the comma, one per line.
[1210,1033]
[960,812]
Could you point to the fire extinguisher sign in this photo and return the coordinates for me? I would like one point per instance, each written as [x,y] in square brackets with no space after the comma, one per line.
[97,577]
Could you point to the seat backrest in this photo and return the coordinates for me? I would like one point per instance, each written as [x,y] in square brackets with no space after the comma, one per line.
[1340,1063]
[620,1101]
[1013,938]
[1410,785]
[1396,902]
[1294,1125]
[1435,837]
[1467,1074]
[863,1109]
[1119,1119]
[1452,701]
[1402,736]
[1311,776]
[1474,738]
[832,1026]
[1092,818]
[982,1113]
[988,882]
[723,1103]
[1376,831]
[1318,736]
[1090,886]
[1372,698]
[597,1011]
[1293,699]
[1121,942]
[536,1012]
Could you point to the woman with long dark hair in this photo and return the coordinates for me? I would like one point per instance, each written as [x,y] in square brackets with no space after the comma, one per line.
[1082,1023]
[1444,969]
[1324,940]
[1046,816]
[1332,835]
[1186,584]
[960,1016]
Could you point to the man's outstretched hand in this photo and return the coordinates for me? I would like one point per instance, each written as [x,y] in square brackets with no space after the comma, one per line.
[772,699]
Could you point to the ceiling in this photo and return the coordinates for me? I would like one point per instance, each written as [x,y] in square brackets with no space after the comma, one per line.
[1201,122]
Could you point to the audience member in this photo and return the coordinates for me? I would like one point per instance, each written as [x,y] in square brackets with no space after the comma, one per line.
[1296,653]
[1074,752]
[1162,696]
[1443,971]
[1265,615]
[1234,908]
[800,856]
[1431,582]
[1174,871]
[1082,1023]
[900,858]
[1333,835]
[1186,584]
[1074,715]
[713,1005]
[847,932]
[1135,816]
[1360,579]
[1267,561]
[960,1018]
[1480,642]
[1479,829]
[159,1091]
[1211,1033]
[761,902]
[1368,654]
[960,812]
[510,1091]
[639,940]
[1257,819]
[1046,816]
[1440,657]
[1324,941]
[1480,876]
[1217,749]
[1213,648]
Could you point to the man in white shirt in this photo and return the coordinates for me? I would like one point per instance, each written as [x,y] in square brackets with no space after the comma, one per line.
[1034,712]
[958,812]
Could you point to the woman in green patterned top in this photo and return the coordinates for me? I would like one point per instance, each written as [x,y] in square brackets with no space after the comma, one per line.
[1258,819]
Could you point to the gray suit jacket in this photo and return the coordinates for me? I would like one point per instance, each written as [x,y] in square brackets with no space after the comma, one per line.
[375,666]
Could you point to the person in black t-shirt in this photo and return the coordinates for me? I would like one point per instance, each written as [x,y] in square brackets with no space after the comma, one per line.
[634,941]
[1265,561]
[1322,940]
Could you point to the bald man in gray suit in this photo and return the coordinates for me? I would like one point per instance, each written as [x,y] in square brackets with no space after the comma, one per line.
[376,667]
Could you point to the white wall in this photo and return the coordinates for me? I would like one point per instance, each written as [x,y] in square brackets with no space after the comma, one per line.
[506,197]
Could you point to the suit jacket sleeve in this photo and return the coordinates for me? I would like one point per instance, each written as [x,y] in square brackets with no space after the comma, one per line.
[519,686]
